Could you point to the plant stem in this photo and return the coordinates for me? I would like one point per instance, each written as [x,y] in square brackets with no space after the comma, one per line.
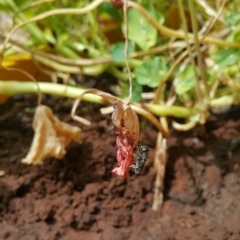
[93,70]
[159,90]
[117,73]
[179,34]
[226,100]
[196,39]
[162,29]
[234,69]
[34,30]
[197,87]
[64,50]
[80,62]
[125,12]
[167,111]
[11,88]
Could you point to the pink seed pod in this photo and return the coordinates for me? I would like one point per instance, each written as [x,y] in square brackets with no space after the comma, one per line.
[126,126]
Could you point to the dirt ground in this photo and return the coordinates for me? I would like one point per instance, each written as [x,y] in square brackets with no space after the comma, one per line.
[77,198]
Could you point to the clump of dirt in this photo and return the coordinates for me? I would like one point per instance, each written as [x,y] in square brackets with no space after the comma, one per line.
[78,197]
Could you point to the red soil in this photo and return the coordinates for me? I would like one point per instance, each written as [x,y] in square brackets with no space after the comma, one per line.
[78,197]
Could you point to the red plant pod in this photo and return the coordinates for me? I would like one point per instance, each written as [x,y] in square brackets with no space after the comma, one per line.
[117,3]
[124,156]
[126,127]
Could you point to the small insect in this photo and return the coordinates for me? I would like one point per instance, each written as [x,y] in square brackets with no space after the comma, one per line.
[142,157]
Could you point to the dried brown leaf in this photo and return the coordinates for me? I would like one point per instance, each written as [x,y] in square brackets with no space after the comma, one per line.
[51,136]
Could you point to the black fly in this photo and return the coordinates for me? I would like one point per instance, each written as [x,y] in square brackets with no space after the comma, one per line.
[142,157]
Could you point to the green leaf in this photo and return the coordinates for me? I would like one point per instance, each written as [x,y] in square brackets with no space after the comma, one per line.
[23,3]
[118,51]
[186,80]
[4,7]
[140,30]
[10,6]
[108,10]
[232,19]
[137,90]
[234,35]
[151,72]
[226,57]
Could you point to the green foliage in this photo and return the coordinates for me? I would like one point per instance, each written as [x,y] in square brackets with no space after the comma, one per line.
[140,30]
[118,51]
[232,19]
[8,6]
[226,57]
[136,96]
[186,80]
[151,72]
[82,43]
[107,10]
[4,6]
[235,34]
